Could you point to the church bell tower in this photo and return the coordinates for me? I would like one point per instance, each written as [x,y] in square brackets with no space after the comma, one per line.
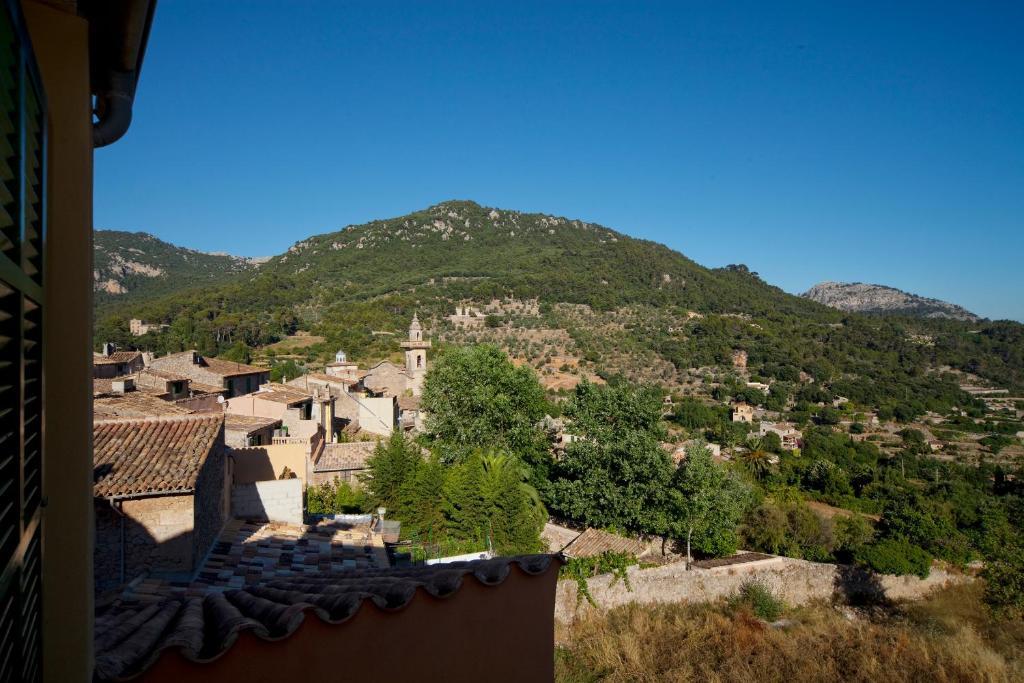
[416,355]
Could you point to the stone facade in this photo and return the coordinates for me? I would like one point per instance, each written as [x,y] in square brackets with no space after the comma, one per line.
[158,539]
[388,378]
[279,500]
[232,377]
[163,535]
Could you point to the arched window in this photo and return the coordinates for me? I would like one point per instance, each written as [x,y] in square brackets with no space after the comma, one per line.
[419,361]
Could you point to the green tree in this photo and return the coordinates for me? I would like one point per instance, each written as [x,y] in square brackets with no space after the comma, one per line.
[393,463]
[238,352]
[705,504]
[616,474]
[475,397]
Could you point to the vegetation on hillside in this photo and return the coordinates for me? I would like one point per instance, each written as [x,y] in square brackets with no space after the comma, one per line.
[357,287]
[947,637]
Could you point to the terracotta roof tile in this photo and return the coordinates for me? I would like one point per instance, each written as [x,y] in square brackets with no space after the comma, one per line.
[281,393]
[134,404]
[337,457]
[593,542]
[115,357]
[128,640]
[229,368]
[248,423]
[152,455]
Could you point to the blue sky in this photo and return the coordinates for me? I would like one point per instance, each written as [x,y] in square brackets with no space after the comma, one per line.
[855,141]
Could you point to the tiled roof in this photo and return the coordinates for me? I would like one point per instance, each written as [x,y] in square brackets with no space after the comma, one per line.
[345,456]
[128,640]
[229,368]
[202,388]
[321,377]
[165,375]
[593,542]
[105,385]
[248,423]
[408,402]
[115,357]
[152,455]
[134,404]
[281,393]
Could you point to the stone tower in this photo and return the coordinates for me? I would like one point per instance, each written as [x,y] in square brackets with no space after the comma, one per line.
[416,356]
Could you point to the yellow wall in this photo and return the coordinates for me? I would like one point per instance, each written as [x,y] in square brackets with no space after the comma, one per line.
[262,463]
[60,42]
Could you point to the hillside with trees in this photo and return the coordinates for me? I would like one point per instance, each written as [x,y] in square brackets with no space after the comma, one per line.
[618,305]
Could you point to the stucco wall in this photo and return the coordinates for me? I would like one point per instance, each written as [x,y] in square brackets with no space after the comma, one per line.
[377,415]
[796,581]
[268,501]
[263,463]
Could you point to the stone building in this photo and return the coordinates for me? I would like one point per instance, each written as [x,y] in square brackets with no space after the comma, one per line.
[789,435]
[387,378]
[344,461]
[302,414]
[342,367]
[246,431]
[115,363]
[161,495]
[140,327]
[743,412]
[213,374]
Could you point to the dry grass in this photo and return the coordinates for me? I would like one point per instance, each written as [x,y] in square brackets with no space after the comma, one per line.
[946,638]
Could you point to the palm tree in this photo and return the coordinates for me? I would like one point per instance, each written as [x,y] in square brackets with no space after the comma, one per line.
[758,461]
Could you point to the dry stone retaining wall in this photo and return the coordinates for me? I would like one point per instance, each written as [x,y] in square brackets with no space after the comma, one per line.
[796,581]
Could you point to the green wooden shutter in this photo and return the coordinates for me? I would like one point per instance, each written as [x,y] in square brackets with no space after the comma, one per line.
[22,232]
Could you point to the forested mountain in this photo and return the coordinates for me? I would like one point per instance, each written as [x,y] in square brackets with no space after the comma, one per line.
[620,306]
[145,267]
[879,299]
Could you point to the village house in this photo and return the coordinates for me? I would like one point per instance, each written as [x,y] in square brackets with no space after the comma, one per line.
[410,415]
[245,431]
[301,414]
[788,434]
[342,461]
[113,363]
[140,327]
[161,495]
[168,385]
[120,398]
[678,452]
[230,377]
[742,412]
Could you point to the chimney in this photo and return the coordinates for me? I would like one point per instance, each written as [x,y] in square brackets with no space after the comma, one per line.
[122,385]
[108,348]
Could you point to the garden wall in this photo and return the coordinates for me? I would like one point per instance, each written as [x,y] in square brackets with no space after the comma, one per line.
[796,581]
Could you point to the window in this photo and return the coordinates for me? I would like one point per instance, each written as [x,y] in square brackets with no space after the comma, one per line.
[22,195]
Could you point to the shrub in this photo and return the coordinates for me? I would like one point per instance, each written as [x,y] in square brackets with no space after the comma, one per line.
[895,556]
[759,597]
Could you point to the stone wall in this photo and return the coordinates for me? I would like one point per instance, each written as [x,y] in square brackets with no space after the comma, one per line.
[158,539]
[796,581]
[212,501]
[268,501]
